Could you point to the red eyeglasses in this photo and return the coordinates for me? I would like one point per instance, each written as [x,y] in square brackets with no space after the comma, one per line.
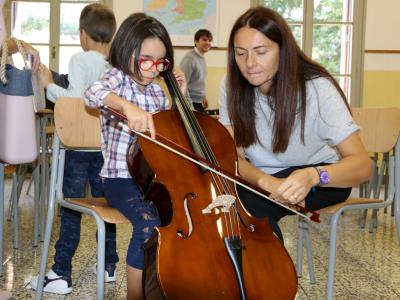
[147,63]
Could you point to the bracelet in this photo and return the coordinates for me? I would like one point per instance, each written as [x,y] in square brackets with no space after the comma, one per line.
[319,175]
[323,174]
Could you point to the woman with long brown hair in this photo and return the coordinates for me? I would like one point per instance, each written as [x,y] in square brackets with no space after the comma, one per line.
[290,120]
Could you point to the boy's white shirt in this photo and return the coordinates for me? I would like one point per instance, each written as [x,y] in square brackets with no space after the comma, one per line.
[84,69]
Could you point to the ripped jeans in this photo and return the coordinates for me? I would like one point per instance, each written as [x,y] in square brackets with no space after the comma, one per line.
[124,195]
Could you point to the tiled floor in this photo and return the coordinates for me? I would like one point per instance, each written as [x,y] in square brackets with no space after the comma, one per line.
[368,265]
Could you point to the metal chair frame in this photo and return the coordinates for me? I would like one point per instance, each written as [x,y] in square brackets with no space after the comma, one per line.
[86,136]
[393,194]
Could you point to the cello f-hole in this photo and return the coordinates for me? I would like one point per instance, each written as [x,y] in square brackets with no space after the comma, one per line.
[250,227]
[180,232]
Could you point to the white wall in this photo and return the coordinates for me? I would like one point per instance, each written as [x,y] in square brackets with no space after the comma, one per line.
[382,33]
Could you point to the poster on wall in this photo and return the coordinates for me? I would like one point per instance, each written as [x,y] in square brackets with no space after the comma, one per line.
[183,18]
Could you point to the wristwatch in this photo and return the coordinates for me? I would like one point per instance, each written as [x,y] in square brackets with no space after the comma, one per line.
[323,176]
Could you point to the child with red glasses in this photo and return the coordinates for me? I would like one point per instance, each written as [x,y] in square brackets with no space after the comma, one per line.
[140,50]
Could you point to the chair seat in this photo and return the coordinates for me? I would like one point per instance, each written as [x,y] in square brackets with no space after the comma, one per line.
[334,208]
[100,206]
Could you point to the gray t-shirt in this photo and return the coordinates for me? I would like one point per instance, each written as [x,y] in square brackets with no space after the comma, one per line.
[328,122]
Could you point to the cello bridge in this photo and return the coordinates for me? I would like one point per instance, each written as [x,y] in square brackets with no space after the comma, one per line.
[223,201]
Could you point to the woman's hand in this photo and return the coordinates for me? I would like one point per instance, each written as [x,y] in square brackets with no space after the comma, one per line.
[295,188]
[45,75]
[181,79]
[205,103]
[138,119]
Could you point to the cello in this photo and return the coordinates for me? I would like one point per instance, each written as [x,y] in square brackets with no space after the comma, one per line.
[210,247]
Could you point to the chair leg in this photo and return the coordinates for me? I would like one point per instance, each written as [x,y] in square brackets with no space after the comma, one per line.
[363,214]
[303,235]
[386,182]
[332,256]
[28,190]
[22,169]
[377,191]
[397,188]
[15,212]
[36,183]
[396,202]
[310,262]
[18,181]
[299,248]
[371,186]
[101,245]
[43,170]
[392,207]
[50,218]
[397,214]
[11,201]
[374,221]
[1,215]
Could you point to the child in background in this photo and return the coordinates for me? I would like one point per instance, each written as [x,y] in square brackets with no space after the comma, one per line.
[140,50]
[194,66]
[97,26]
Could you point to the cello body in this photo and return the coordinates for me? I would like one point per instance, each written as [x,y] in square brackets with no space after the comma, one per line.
[189,258]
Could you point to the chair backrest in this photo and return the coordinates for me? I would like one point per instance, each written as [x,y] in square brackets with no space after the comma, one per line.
[77,125]
[380,127]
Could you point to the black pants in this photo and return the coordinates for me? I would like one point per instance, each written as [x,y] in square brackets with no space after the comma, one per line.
[198,106]
[317,198]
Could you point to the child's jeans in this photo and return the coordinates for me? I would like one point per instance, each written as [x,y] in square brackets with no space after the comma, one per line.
[124,195]
[80,167]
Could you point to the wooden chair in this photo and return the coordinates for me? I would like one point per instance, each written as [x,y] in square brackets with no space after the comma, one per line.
[76,127]
[380,128]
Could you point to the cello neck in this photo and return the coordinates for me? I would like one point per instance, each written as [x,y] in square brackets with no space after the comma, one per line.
[189,120]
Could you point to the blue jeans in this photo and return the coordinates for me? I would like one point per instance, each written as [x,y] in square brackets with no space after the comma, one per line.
[124,195]
[80,168]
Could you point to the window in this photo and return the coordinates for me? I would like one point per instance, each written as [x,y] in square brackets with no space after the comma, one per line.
[51,26]
[328,32]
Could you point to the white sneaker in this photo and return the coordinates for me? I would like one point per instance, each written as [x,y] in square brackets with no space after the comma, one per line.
[110,275]
[53,283]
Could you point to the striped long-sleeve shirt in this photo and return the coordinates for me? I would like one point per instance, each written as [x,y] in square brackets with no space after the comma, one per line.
[116,137]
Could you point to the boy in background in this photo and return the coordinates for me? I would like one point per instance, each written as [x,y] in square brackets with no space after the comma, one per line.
[97,26]
[194,66]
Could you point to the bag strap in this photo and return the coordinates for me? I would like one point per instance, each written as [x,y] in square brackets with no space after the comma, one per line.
[21,50]
[5,57]
[3,62]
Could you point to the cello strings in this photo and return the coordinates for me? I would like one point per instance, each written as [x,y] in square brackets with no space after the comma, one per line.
[189,118]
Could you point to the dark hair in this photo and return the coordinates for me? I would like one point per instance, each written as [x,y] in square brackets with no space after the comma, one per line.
[98,21]
[203,32]
[288,87]
[130,36]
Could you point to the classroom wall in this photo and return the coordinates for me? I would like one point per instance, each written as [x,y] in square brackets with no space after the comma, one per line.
[216,58]
[382,71]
